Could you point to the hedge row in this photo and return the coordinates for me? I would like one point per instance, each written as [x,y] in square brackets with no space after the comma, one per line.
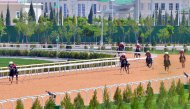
[53,54]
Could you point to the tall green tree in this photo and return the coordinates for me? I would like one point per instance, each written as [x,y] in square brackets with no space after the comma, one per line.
[166,19]
[161,96]
[51,16]
[94,104]
[170,30]
[66,103]
[163,34]
[171,18]
[90,16]
[176,22]
[106,99]
[50,104]
[31,14]
[19,104]
[148,104]
[148,24]
[8,17]
[2,18]
[159,21]
[79,102]
[118,96]
[2,28]
[36,104]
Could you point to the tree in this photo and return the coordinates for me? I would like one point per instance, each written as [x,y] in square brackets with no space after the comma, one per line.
[148,104]
[36,104]
[181,93]
[106,99]
[28,30]
[168,105]
[163,34]
[133,27]
[171,19]
[94,104]
[31,14]
[2,18]
[172,93]
[19,104]
[2,29]
[79,102]
[66,103]
[159,23]
[51,16]
[135,102]
[166,19]
[60,16]
[161,96]
[183,22]
[90,16]
[8,17]
[50,104]
[140,91]
[127,94]
[148,24]
[176,22]
[117,96]
[170,30]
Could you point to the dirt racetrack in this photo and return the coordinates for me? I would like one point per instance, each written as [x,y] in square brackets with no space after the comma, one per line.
[36,85]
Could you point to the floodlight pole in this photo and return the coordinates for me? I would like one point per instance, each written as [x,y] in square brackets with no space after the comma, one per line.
[101,41]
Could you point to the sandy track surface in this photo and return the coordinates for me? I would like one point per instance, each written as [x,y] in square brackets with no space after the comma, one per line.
[36,85]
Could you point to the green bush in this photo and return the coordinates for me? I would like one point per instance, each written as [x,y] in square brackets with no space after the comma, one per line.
[140,91]
[172,92]
[66,103]
[161,96]
[135,102]
[36,104]
[178,88]
[94,104]
[19,104]
[127,94]
[106,99]
[50,104]
[129,48]
[50,46]
[168,105]
[79,102]
[117,96]
[148,104]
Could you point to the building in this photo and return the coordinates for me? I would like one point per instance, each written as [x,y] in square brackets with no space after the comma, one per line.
[15,7]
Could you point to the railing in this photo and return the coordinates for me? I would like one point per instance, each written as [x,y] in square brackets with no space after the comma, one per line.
[75,66]
[86,92]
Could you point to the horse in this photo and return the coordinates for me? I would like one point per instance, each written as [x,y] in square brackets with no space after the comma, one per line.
[13,72]
[149,62]
[124,64]
[137,53]
[182,60]
[166,62]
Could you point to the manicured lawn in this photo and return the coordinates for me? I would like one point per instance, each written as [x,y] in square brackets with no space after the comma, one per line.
[18,61]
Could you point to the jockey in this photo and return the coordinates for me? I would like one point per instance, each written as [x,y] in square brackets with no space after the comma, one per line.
[166,56]
[138,47]
[148,57]
[182,55]
[181,52]
[121,47]
[10,66]
[123,60]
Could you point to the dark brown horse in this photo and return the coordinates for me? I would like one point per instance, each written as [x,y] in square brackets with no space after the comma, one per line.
[167,62]
[182,60]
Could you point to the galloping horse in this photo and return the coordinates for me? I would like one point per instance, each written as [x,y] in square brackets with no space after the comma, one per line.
[124,63]
[13,71]
[182,58]
[148,59]
[166,61]
[137,51]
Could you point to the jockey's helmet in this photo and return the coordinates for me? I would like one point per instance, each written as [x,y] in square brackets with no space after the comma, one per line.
[166,53]
[11,62]
[182,49]
[148,51]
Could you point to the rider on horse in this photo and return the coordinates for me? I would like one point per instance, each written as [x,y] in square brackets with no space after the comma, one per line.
[182,58]
[12,71]
[124,63]
[138,50]
[166,61]
[148,58]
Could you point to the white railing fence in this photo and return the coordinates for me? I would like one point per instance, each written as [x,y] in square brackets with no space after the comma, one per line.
[86,93]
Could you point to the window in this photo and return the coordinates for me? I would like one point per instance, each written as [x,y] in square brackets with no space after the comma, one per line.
[156,6]
[94,8]
[79,10]
[162,6]
[42,6]
[142,6]
[50,5]
[83,10]
[104,7]
[177,6]
[18,14]
[46,8]
[149,6]
[170,6]
[65,10]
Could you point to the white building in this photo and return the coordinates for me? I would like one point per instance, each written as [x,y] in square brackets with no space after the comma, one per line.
[15,7]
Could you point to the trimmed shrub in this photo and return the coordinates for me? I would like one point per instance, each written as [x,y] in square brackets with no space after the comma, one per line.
[106,99]
[181,93]
[50,46]
[66,103]
[148,104]
[189,91]
[172,93]
[19,104]
[127,94]
[140,91]
[135,102]
[178,88]
[117,96]
[79,102]
[36,104]
[161,96]
[50,104]
[168,105]
[94,104]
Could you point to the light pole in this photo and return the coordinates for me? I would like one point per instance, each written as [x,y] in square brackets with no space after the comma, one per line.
[112,8]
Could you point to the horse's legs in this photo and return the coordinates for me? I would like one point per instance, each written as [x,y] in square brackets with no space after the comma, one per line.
[16,78]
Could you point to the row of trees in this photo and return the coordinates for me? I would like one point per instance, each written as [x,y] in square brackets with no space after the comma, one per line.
[166,99]
[72,29]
